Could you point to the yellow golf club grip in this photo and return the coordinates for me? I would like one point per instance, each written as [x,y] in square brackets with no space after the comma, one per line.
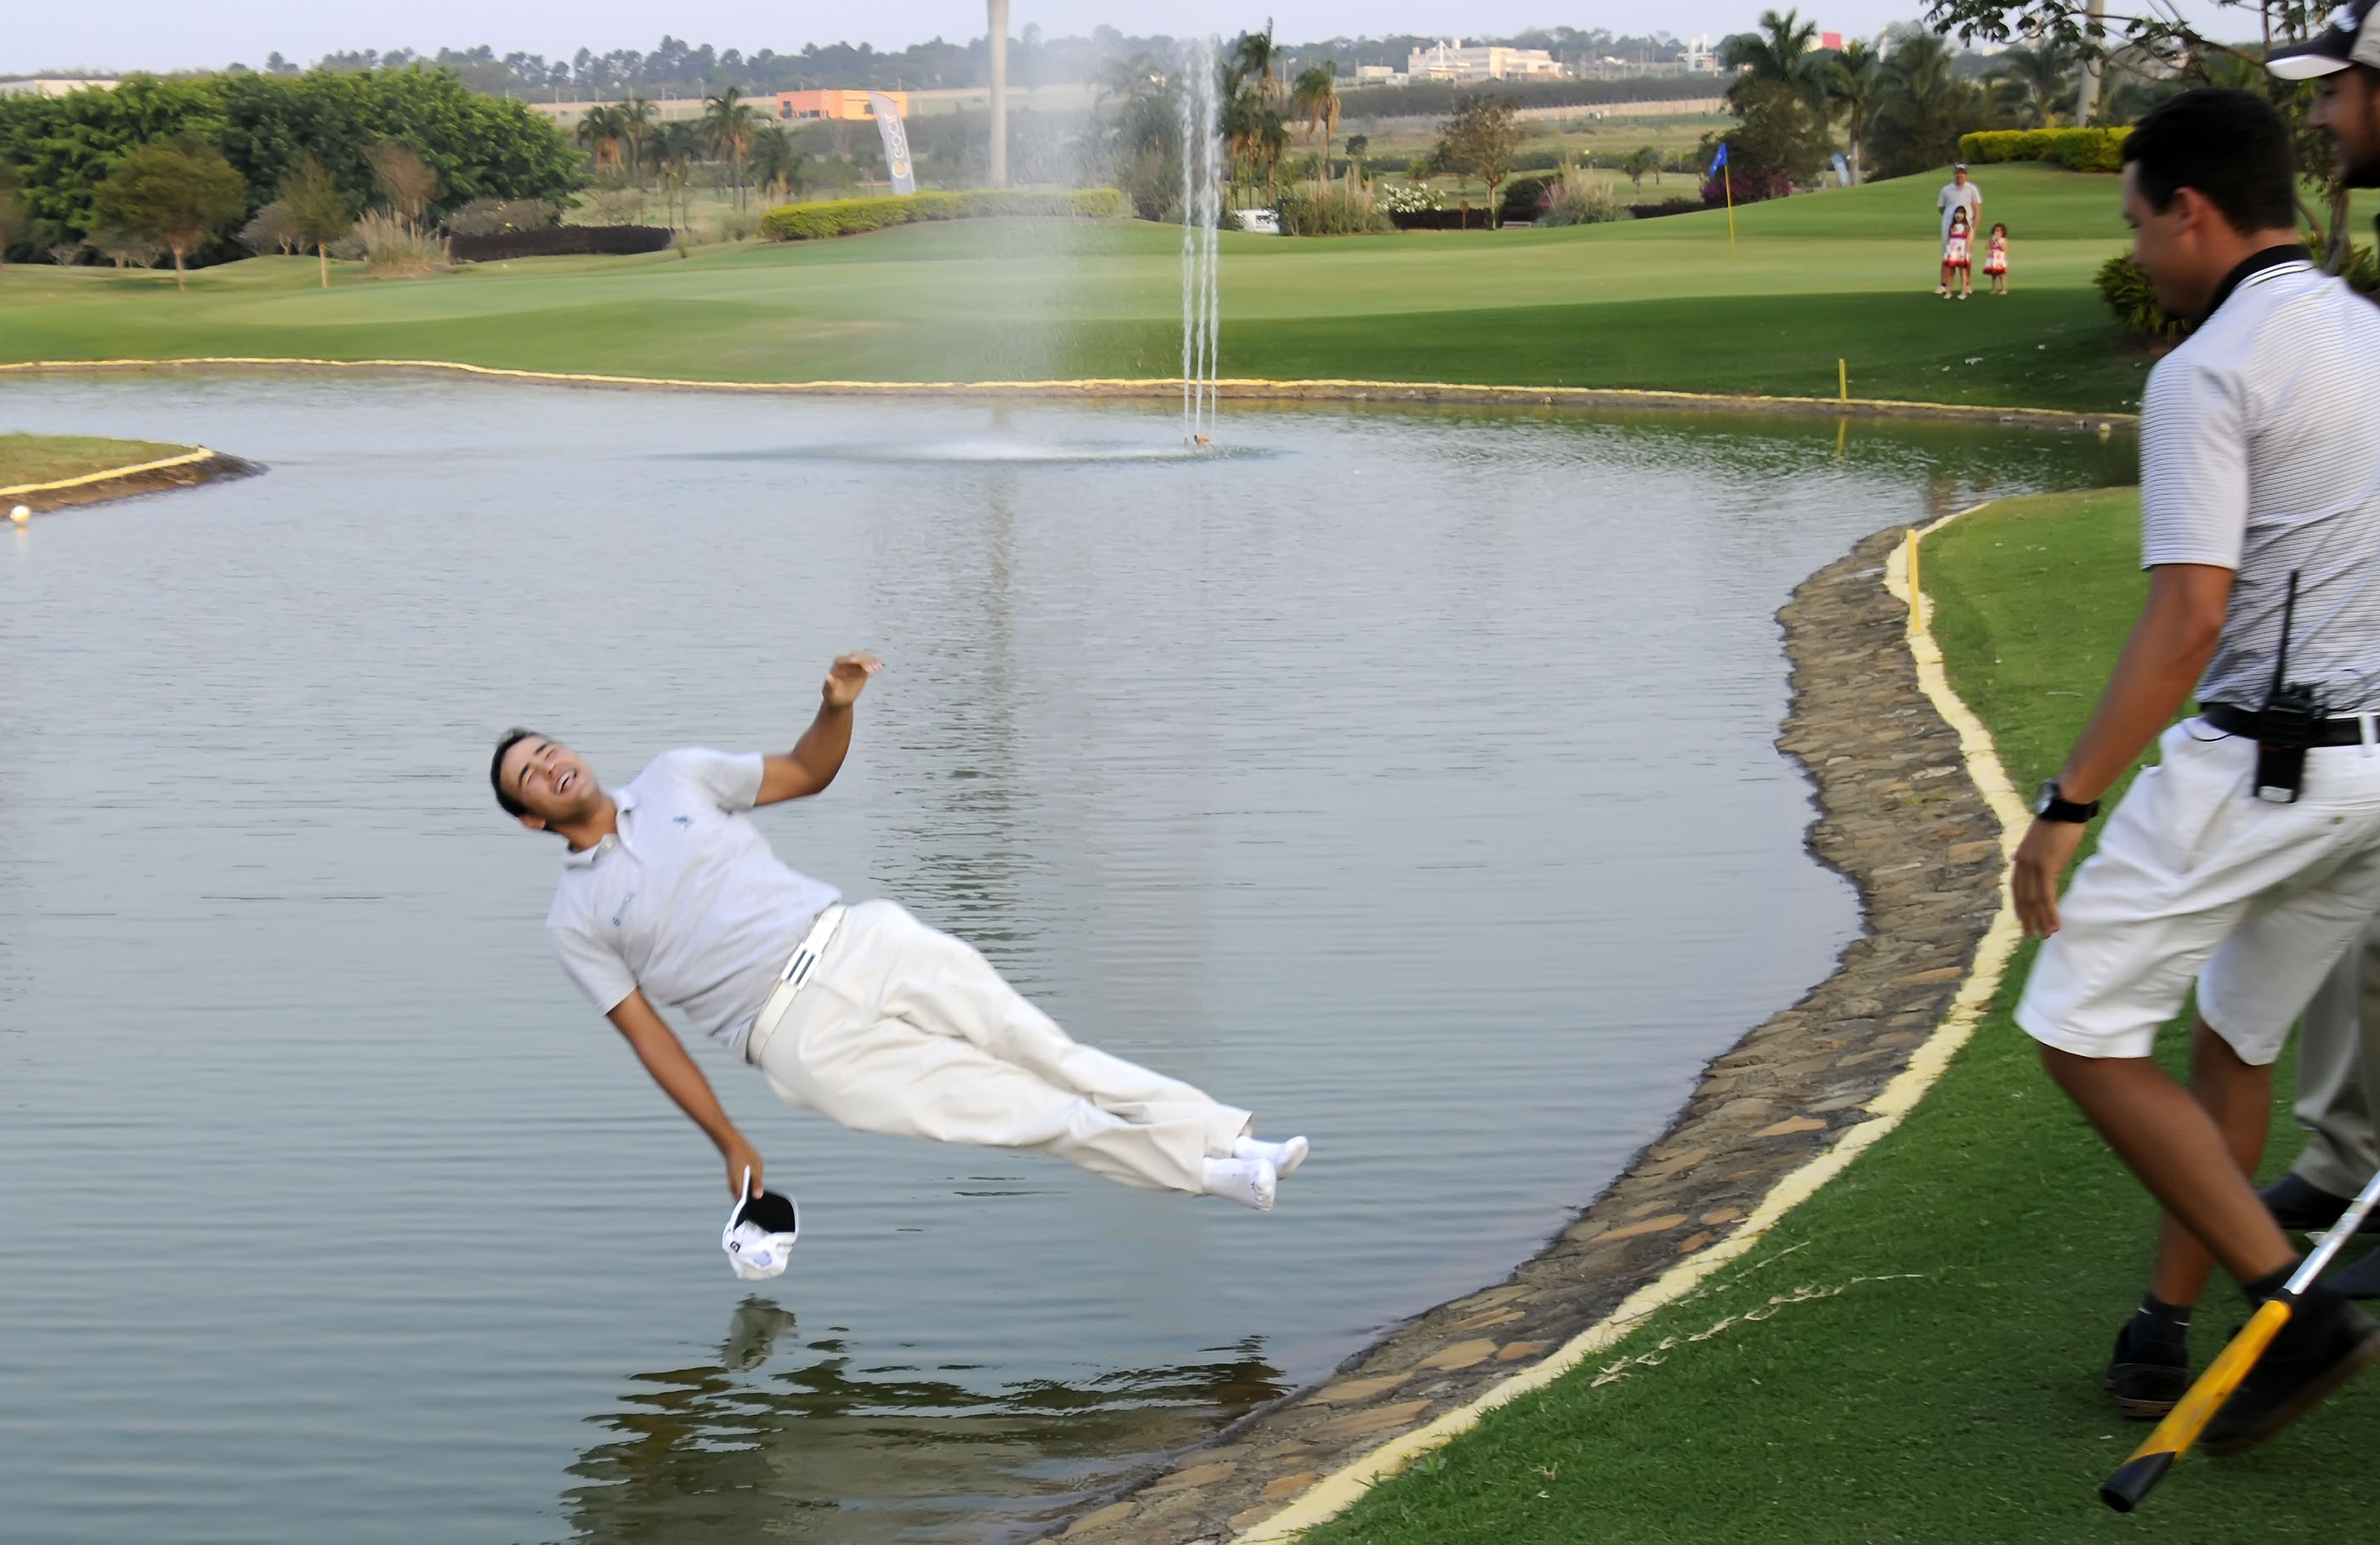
[2189,1415]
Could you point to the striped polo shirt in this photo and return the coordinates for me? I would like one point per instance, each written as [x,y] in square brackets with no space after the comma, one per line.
[2260,454]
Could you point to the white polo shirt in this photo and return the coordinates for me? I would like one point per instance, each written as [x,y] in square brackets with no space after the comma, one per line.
[685,901]
[2260,454]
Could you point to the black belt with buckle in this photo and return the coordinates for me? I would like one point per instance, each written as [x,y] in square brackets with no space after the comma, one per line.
[2232,719]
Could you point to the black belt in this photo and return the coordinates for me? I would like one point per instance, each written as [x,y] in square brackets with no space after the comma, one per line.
[2233,719]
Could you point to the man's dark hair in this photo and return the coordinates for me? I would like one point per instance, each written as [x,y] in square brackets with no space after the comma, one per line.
[513,737]
[2229,145]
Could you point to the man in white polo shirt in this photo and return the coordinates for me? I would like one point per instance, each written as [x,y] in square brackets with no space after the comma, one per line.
[2247,859]
[1956,194]
[671,896]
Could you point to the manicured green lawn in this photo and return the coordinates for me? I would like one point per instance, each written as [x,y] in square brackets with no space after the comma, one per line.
[1663,303]
[1954,1395]
[47,458]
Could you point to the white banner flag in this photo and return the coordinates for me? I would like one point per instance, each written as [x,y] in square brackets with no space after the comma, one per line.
[896,142]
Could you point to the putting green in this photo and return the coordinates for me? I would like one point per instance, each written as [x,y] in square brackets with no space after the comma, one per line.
[1940,1382]
[1665,303]
[48,458]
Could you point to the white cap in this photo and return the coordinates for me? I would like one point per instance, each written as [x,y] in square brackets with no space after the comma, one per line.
[760,1235]
[2347,41]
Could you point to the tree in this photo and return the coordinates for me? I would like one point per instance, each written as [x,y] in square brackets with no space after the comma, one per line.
[727,124]
[1314,97]
[13,217]
[408,181]
[178,192]
[267,231]
[1356,145]
[1923,107]
[1479,141]
[1852,86]
[777,161]
[1640,160]
[1778,52]
[316,211]
[1780,101]
[635,122]
[2043,82]
[676,146]
[602,130]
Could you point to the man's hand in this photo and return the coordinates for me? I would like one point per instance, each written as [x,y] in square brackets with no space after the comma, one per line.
[742,1158]
[2041,859]
[846,677]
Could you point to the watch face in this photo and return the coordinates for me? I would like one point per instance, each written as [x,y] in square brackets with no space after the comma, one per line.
[2047,797]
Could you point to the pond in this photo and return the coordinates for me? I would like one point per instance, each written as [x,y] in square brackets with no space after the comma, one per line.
[1405,775]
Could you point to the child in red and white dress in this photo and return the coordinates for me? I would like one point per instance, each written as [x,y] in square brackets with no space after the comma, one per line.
[1996,260]
[1956,263]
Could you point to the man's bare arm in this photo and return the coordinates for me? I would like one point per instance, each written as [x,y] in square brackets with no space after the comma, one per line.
[658,1048]
[819,755]
[2162,661]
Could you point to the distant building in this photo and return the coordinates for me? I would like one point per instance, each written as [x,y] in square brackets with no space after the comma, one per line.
[1382,75]
[848,106]
[1699,57]
[51,86]
[666,110]
[1450,60]
[1831,39]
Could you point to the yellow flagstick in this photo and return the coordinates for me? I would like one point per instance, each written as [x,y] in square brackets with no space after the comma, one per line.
[1843,380]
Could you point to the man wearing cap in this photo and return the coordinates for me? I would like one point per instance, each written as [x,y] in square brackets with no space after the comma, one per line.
[1956,194]
[671,897]
[2338,1045]
[2247,859]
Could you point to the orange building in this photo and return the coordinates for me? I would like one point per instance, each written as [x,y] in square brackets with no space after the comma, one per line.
[795,106]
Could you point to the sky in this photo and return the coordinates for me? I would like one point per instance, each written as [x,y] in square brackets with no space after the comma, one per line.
[175,35]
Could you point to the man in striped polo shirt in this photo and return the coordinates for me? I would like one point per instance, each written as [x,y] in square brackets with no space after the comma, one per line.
[2260,481]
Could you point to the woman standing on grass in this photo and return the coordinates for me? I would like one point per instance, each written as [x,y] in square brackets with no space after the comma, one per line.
[1956,264]
[1996,260]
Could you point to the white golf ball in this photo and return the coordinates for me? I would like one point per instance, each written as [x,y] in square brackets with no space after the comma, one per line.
[20,514]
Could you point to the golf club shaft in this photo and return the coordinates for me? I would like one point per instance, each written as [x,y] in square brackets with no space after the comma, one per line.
[2125,1490]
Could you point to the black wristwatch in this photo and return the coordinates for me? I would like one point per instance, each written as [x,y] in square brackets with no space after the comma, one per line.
[2051,804]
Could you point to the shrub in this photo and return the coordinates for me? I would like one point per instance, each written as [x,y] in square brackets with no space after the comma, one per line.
[1339,211]
[390,248]
[845,217]
[1583,203]
[2077,149]
[1667,206]
[491,217]
[1746,184]
[271,230]
[1525,197]
[2124,286]
[1408,198]
[559,241]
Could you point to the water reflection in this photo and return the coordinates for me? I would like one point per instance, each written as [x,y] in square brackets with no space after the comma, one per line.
[783,1437]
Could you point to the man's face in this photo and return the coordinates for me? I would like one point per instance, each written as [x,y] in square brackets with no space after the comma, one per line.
[551,779]
[2166,244]
[2344,108]
[1959,176]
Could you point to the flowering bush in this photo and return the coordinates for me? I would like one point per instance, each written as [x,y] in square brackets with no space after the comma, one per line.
[1407,198]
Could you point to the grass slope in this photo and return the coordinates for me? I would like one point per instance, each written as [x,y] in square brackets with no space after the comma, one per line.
[1952,1395]
[1665,303]
[48,458]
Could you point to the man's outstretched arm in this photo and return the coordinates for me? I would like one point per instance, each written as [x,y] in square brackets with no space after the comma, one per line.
[817,756]
[657,1046]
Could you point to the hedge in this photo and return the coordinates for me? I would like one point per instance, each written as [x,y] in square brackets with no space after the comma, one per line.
[558,241]
[844,217]
[2079,149]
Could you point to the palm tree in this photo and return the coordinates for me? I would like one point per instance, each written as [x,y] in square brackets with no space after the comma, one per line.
[1314,97]
[2043,78]
[1922,105]
[602,131]
[776,162]
[1853,85]
[728,122]
[1782,54]
[636,117]
[675,148]
[1640,160]
[1257,60]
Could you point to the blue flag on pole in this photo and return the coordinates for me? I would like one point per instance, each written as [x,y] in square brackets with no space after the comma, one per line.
[1717,161]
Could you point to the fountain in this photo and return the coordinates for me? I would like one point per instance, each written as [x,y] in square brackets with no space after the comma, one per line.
[1202,210]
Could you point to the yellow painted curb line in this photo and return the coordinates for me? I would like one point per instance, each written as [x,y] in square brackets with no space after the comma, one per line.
[1327,388]
[1340,1490]
[185,459]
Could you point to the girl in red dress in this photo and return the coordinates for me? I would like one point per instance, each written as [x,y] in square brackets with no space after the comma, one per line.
[1956,263]
[1996,260]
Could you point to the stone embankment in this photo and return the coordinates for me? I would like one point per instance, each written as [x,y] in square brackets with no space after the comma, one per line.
[187,470]
[1902,819]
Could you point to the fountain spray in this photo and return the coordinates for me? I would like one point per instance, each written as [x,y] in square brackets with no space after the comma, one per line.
[1202,212]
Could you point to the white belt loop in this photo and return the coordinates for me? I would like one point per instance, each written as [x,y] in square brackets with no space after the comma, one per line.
[2367,730]
[799,967]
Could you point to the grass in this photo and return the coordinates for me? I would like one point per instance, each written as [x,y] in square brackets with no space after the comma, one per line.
[47,458]
[1978,1260]
[1664,303]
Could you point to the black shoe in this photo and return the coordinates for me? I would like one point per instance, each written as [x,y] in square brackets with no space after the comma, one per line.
[2359,1281]
[2301,1207]
[2148,1373]
[2326,1343]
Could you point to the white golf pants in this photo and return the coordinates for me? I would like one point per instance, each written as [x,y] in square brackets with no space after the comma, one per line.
[906,1031]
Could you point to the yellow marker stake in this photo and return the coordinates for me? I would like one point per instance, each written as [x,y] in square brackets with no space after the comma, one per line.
[1843,379]
[1916,596]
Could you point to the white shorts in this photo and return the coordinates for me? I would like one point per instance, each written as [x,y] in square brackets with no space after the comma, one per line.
[2195,877]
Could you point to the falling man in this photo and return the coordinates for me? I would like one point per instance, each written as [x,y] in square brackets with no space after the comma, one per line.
[670,894]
